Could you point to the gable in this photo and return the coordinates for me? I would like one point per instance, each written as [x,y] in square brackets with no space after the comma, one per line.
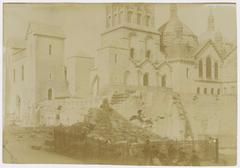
[208,50]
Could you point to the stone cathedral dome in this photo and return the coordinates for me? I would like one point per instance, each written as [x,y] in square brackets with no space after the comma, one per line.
[177,39]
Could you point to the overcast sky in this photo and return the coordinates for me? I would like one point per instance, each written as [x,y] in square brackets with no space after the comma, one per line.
[83,23]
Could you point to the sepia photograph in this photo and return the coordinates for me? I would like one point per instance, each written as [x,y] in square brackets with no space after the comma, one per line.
[120,84]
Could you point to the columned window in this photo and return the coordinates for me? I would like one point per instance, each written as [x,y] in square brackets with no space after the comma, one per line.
[208,68]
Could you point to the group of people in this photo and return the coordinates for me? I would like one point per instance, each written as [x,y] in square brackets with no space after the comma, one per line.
[173,156]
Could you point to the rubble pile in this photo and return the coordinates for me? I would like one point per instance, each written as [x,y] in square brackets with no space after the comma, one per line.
[110,125]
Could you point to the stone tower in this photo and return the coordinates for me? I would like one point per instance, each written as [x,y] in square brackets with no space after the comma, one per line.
[129,36]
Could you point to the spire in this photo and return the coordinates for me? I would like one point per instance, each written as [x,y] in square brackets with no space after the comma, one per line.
[173,10]
[211,24]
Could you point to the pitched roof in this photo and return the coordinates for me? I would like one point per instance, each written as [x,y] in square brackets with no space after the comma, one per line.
[44,29]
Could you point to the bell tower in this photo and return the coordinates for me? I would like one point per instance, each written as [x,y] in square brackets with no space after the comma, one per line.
[129,15]
[129,36]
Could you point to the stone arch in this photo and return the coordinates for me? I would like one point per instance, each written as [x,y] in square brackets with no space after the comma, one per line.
[95,86]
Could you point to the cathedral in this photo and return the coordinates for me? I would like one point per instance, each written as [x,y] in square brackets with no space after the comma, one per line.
[134,54]
[134,57]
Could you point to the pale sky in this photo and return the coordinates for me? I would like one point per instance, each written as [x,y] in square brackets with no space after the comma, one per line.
[83,23]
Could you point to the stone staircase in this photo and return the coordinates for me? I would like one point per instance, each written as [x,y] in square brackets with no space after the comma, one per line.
[118,98]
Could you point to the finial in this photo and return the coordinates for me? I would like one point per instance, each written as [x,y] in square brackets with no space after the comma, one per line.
[173,10]
[211,24]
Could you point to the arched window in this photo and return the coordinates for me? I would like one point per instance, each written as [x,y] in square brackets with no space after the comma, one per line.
[148,54]
[22,73]
[216,70]
[164,82]
[145,79]
[208,68]
[198,90]
[129,16]
[139,18]
[200,69]
[205,90]
[132,53]
[212,91]
[50,94]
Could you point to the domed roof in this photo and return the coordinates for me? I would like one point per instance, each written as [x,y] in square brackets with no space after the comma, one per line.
[175,25]
[177,39]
